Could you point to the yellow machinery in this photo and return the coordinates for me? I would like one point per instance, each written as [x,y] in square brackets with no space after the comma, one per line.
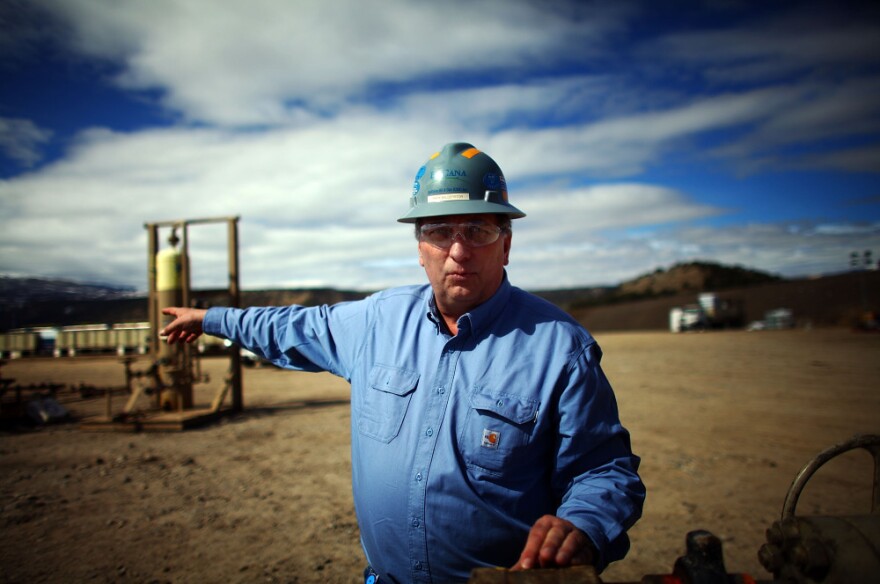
[173,360]
[169,285]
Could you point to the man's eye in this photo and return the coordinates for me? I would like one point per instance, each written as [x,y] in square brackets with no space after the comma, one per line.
[440,233]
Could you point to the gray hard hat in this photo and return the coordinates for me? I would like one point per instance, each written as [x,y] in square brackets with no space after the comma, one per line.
[459,180]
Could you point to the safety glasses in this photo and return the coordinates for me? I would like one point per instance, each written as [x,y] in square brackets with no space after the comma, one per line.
[442,235]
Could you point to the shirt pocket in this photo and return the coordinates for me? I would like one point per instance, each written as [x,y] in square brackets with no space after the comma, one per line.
[385,401]
[498,425]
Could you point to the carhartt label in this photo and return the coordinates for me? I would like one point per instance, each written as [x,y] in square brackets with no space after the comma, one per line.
[491,438]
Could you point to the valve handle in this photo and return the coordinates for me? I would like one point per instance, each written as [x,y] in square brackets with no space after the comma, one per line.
[869,442]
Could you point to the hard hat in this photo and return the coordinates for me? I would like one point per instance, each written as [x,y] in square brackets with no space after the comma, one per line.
[459,180]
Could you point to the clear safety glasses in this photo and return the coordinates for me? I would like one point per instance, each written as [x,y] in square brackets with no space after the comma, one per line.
[442,235]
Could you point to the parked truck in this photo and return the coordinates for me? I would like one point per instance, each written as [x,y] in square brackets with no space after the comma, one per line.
[710,312]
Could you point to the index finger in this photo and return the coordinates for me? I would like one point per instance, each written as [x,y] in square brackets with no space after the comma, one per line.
[530,555]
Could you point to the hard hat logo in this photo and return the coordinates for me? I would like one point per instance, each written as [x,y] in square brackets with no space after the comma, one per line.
[416,185]
[495,182]
[459,180]
[449,180]
[442,173]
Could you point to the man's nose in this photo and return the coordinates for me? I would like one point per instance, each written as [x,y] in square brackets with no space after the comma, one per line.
[458,250]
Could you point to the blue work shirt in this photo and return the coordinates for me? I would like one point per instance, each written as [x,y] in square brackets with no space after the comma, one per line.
[460,443]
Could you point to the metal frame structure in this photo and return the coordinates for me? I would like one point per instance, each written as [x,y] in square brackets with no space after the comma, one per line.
[233,382]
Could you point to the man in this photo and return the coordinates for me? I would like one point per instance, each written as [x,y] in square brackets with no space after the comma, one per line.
[484,432]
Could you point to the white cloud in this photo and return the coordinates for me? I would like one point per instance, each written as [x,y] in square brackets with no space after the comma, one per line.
[601,208]
[818,115]
[317,204]
[21,140]
[627,145]
[775,248]
[599,235]
[265,62]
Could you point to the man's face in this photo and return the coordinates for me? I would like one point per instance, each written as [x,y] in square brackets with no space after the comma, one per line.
[464,276]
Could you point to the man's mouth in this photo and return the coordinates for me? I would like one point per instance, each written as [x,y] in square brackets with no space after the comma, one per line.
[458,275]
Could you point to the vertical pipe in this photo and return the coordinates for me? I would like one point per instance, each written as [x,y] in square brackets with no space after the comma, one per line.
[185,372]
[184,265]
[235,301]
[152,300]
[152,250]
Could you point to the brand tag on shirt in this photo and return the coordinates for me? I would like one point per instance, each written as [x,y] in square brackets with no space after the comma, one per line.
[490,438]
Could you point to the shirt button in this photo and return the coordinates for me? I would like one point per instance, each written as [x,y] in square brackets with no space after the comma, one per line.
[415,522]
[500,403]
[417,565]
[441,390]
[419,477]
[429,432]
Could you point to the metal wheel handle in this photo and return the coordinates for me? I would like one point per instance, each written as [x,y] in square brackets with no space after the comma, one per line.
[869,442]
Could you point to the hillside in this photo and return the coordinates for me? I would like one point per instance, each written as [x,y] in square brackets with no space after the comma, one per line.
[692,277]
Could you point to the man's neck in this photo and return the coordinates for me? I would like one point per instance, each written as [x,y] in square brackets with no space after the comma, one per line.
[451,323]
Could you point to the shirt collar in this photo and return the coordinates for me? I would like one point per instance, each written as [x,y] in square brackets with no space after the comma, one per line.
[477,319]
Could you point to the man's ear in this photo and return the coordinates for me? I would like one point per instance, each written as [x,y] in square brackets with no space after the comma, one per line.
[507,248]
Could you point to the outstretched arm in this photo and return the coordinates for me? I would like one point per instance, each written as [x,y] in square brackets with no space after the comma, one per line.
[186,326]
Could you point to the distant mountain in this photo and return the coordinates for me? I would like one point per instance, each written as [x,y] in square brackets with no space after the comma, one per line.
[28,302]
[685,277]
[34,302]
[692,277]
[17,291]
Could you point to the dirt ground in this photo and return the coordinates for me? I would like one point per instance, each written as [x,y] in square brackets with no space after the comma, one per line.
[723,423]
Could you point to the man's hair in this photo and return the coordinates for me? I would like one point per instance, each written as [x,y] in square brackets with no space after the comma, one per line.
[504,223]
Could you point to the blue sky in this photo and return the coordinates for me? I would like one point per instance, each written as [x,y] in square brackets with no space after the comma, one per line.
[635,135]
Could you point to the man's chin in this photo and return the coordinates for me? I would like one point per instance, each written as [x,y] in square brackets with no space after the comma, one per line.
[463,297]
